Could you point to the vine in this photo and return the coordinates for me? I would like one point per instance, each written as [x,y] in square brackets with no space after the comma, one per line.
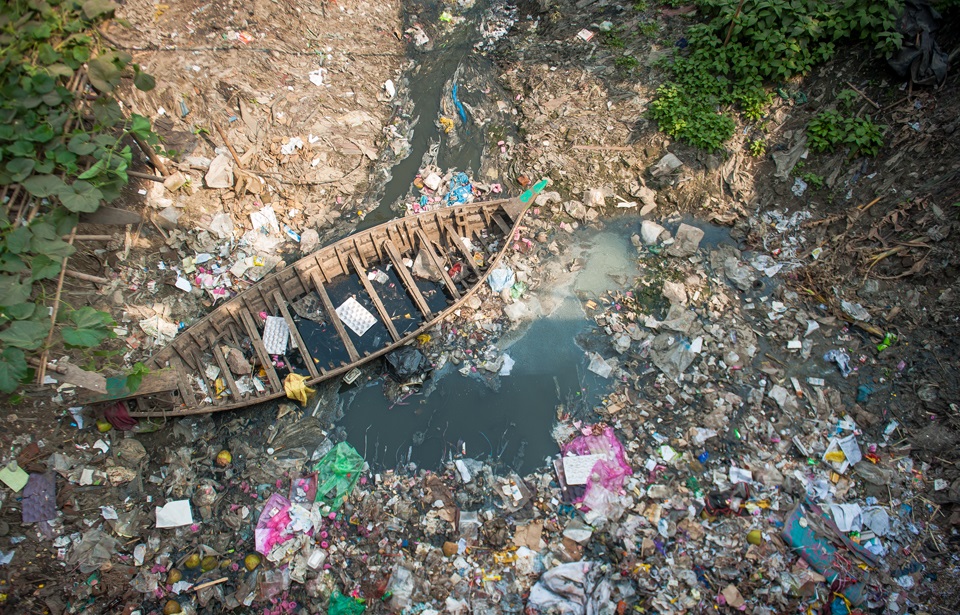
[66,148]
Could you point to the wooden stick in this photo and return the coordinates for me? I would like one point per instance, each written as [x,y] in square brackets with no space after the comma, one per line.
[233,152]
[152,155]
[155,178]
[197,588]
[42,370]
[86,277]
[732,22]
[91,237]
[865,97]
[612,148]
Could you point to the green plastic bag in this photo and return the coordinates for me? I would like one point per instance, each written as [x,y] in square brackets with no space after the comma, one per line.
[337,474]
[344,605]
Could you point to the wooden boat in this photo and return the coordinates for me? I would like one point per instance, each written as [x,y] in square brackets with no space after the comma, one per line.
[221,362]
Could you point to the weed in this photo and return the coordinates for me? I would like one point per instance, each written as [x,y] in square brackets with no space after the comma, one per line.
[612,38]
[829,130]
[649,27]
[758,148]
[846,98]
[640,6]
[813,180]
[626,62]
[745,45]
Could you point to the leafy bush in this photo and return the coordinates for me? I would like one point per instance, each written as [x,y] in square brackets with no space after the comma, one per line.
[829,130]
[66,162]
[730,59]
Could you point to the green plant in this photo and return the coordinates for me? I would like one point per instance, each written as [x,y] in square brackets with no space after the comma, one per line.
[612,38]
[846,98]
[744,45]
[626,62]
[135,377]
[640,6]
[813,180]
[648,27]
[67,159]
[698,125]
[758,148]
[829,129]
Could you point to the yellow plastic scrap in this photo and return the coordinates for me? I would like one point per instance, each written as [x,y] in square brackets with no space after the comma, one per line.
[835,456]
[424,338]
[447,124]
[296,388]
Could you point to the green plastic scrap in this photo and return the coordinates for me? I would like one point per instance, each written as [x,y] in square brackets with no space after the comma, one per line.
[337,474]
[344,605]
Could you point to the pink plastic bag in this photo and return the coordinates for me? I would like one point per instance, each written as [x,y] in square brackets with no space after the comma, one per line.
[272,524]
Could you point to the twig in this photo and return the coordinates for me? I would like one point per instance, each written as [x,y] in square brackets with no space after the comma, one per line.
[155,178]
[226,142]
[42,370]
[732,22]
[152,155]
[86,277]
[197,588]
[865,97]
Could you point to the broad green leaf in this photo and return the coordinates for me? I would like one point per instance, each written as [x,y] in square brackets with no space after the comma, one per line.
[103,74]
[107,113]
[81,54]
[52,99]
[43,83]
[43,185]
[80,197]
[21,148]
[52,247]
[96,169]
[42,267]
[13,369]
[139,125]
[95,8]
[12,291]
[20,168]
[18,239]
[87,317]
[41,134]
[44,167]
[144,82]
[21,311]
[62,220]
[11,263]
[61,70]
[80,145]
[26,334]
[84,337]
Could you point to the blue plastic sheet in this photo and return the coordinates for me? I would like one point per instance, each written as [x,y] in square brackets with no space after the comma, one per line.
[460,190]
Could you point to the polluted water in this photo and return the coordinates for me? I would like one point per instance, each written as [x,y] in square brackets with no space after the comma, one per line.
[509,423]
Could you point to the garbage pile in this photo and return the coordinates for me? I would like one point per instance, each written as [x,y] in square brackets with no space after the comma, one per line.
[438,189]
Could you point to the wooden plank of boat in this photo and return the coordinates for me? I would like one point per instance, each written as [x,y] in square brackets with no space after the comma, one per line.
[260,349]
[372,293]
[225,371]
[295,333]
[427,247]
[370,248]
[407,279]
[458,242]
[334,318]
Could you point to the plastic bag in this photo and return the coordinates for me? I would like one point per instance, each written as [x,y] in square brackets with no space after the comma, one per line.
[337,474]
[296,388]
[344,605]
[404,364]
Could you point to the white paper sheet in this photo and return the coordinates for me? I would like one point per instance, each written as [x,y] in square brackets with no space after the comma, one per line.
[577,468]
[174,514]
